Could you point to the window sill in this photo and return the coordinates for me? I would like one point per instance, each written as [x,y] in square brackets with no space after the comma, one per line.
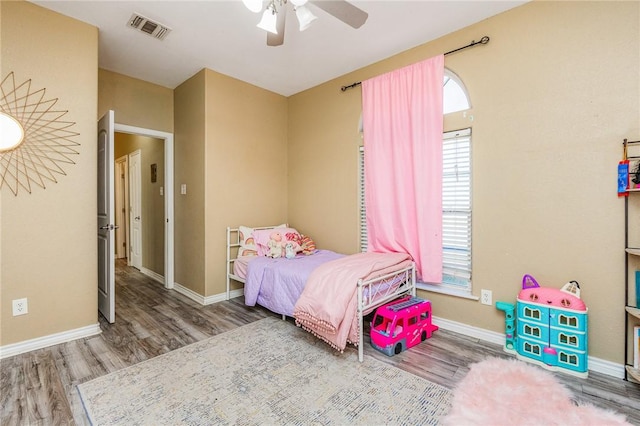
[434,288]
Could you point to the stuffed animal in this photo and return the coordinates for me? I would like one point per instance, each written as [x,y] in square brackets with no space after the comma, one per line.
[275,245]
[289,250]
[294,239]
[307,246]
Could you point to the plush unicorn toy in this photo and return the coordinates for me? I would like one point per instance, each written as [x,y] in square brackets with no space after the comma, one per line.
[289,250]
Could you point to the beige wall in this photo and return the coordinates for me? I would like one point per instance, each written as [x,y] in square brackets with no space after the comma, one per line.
[553,93]
[60,55]
[151,152]
[323,165]
[135,102]
[230,151]
[245,164]
[189,149]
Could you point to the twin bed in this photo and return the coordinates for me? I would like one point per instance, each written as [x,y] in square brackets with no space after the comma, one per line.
[327,293]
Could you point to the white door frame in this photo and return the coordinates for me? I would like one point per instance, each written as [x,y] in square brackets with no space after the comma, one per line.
[168,194]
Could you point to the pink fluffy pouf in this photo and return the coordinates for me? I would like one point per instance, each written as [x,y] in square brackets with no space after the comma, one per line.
[511,392]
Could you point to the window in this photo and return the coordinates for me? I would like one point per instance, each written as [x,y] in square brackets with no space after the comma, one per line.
[456,194]
[570,359]
[532,349]
[532,331]
[568,340]
[568,321]
[456,209]
[454,93]
[531,313]
[363,209]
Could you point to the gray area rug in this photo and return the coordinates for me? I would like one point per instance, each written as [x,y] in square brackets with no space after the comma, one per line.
[267,372]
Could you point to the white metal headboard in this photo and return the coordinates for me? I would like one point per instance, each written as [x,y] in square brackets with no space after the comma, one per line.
[233,244]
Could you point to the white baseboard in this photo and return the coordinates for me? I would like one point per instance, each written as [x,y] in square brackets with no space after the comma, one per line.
[208,300]
[595,364]
[236,293]
[469,330]
[223,296]
[50,340]
[197,297]
[152,274]
[606,367]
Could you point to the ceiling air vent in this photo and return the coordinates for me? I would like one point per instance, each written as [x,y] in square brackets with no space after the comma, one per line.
[147,26]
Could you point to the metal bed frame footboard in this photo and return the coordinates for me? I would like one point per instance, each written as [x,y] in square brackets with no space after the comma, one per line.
[377,291]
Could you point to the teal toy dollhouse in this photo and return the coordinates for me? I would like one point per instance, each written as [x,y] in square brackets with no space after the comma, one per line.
[548,327]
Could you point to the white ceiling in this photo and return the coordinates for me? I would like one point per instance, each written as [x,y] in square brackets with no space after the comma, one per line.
[222,36]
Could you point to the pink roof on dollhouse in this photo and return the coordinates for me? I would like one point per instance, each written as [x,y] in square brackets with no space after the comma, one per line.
[552,297]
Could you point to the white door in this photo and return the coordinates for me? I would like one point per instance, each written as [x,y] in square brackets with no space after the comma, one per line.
[122,196]
[106,260]
[135,208]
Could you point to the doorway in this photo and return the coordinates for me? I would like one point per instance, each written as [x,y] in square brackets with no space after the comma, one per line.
[157,178]
[136,198]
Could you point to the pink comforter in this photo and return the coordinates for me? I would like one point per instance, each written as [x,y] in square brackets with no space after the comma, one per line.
[327,306]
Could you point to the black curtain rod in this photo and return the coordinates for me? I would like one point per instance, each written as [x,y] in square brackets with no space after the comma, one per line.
[483,40]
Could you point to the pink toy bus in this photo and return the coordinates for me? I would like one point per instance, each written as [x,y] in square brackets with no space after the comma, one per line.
[401,324]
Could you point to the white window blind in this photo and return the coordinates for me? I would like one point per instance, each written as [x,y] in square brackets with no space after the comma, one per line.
[363,209]
[456,209]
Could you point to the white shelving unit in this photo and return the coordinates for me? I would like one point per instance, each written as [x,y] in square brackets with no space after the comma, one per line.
[632,260]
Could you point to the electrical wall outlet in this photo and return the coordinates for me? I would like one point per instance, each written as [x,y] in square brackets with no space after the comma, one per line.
[485,297]
[20,307]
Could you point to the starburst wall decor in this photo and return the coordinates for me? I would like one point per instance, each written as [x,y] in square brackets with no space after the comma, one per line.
[35,141]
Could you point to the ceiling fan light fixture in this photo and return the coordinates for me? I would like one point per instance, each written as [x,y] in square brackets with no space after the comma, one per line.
[269,20]
[253,5]
[305,17]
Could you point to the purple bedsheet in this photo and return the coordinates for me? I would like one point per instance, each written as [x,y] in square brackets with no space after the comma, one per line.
[277,284]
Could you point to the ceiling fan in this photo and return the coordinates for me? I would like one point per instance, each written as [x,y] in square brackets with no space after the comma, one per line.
[274,15]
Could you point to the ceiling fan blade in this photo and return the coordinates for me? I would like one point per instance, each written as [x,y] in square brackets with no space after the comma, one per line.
[344,11]
[278,39]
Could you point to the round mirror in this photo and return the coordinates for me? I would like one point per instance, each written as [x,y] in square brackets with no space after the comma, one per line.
[11,132]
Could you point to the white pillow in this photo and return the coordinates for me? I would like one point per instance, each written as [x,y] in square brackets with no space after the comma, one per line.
[248,246]
[261,238]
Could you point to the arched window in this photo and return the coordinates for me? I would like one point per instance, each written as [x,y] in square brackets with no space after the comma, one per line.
[454,96]
[456,190]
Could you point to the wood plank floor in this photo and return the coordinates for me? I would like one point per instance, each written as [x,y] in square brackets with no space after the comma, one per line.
[39,387]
